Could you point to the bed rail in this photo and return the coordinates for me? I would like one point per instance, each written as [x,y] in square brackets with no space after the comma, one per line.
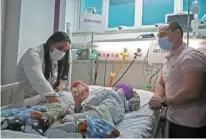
[12,95]
[162,128]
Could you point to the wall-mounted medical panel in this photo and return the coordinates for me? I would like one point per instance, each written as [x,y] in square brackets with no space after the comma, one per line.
[114,51]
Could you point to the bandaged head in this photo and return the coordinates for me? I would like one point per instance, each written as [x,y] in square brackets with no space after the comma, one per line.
[79,85]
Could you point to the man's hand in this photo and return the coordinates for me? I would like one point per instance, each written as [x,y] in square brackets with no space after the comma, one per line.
[155,103]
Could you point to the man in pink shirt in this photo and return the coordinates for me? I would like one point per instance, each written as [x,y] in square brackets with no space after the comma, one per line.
[182,85]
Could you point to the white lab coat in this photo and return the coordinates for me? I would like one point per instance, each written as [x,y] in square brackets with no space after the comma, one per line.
[30,72]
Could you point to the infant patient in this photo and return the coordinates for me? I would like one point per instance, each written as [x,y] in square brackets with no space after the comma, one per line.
[107,104]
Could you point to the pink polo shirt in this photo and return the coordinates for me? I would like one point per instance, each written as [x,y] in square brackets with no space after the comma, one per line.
[184,59]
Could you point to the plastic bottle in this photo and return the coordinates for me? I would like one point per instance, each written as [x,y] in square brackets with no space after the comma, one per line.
[195,7]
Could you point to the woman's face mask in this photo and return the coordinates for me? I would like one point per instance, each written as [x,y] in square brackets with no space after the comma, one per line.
[59,50]
[56,55]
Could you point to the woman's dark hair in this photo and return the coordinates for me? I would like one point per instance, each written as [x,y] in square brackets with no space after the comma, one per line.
[63,65]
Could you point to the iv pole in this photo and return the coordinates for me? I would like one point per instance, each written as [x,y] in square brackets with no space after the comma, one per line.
[91,61]
[94,11]
[69,32]
[188,22]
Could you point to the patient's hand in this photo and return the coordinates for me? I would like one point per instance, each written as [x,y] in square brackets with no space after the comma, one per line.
[68,118]
[79,96]
[52,99]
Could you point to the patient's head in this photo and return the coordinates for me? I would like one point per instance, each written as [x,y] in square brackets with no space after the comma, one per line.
[126,89]
[80,88]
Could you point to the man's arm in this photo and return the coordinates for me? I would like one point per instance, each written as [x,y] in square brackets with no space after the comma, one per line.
[193,86]
[160,89]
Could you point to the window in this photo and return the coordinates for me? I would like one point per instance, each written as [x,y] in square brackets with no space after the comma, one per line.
[87,5]
[202,7]
[137,13]
[154,11]
[121,13]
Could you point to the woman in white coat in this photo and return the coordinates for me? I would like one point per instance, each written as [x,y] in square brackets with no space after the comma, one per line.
[40,69]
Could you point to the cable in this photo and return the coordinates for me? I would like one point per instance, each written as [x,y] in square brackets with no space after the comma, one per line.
[92,80]
[105,70]
[156,75]
[146,58]
[155,78]
[91,61]
[150,80]
[135,57]
[96,69]
[112,75]
[120,67]
[118,71]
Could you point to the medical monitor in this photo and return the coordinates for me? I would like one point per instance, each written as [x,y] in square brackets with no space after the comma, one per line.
[181,18]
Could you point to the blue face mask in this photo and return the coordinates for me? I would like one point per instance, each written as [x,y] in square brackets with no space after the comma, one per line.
[165,44]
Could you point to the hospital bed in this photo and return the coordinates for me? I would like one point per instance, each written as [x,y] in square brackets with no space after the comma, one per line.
[144,123]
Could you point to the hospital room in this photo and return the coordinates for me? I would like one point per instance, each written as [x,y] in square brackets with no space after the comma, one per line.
[103,68]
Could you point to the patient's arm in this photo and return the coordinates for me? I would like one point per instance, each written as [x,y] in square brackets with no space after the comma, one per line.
[96,97]
[160,89]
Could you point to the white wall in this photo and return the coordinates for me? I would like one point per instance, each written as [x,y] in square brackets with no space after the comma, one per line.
[72,13]
[28,23]
[11,38]
[2,17]
[2,20]
[62,15]
[37,18]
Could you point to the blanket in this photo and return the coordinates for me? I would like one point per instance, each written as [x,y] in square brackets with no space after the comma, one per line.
[95,127]
[23,114]
[111,102]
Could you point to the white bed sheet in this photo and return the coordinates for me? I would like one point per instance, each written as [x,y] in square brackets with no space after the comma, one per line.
[140,124]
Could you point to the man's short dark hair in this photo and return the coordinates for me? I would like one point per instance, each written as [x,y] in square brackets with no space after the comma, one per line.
[173,26]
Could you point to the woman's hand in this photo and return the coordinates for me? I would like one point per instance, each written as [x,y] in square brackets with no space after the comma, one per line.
[59,88]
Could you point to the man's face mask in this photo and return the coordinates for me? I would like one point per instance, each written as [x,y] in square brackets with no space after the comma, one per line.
[165,43]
